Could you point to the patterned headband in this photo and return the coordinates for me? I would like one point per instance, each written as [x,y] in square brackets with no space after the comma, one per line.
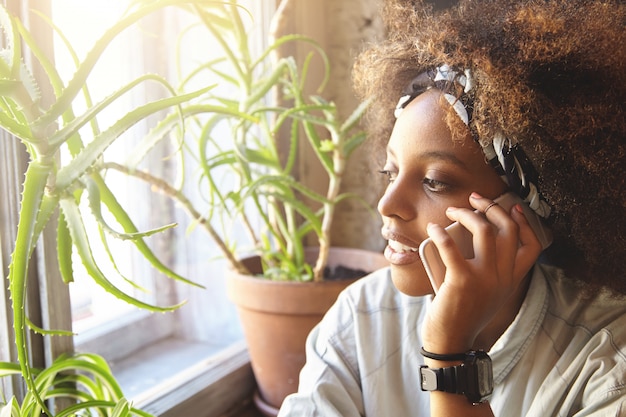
[503,154]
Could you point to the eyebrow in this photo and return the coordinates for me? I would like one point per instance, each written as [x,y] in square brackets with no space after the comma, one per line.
[437,155]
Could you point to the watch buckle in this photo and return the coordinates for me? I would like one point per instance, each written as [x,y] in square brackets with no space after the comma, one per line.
[428,379]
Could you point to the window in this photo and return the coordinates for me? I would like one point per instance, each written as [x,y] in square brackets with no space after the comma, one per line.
[199,342]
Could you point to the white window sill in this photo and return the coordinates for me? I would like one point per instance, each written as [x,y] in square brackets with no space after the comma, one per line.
[175,378]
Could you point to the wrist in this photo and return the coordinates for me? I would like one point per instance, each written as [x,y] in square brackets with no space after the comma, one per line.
[445,343]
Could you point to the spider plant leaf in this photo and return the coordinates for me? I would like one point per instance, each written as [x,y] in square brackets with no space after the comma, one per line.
[66,381]
[82,367]
[87,408]
[10,409]
[83,248]
[9,368]
[122,409]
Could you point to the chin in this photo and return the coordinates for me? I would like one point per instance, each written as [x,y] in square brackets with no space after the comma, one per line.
[411,281]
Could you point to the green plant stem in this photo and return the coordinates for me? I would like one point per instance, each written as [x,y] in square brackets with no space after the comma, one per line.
[165,188]
[334,187]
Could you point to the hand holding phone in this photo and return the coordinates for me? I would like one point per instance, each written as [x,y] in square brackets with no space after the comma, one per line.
[429,254]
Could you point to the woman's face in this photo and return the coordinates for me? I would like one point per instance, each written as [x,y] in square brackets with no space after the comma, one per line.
[428,172]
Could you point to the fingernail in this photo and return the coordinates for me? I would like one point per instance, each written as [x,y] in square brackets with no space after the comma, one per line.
[476,195]
[519,208]
[451,209]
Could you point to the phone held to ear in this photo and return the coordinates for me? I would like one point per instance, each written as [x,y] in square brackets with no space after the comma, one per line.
[463,238]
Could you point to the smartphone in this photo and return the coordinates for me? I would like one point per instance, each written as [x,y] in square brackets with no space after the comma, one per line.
[463,238]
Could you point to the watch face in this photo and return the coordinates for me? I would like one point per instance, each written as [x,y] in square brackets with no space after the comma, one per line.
[479,376]
[484,372]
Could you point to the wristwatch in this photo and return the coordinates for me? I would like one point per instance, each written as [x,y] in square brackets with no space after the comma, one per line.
[473,378]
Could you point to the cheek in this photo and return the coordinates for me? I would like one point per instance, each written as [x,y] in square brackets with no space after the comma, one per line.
[411,279]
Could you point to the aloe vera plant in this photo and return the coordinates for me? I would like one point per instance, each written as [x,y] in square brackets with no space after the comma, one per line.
[51,184]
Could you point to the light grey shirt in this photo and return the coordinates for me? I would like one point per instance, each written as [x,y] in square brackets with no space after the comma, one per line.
[562,356]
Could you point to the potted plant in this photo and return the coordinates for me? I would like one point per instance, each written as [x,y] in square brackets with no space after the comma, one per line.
[255,147]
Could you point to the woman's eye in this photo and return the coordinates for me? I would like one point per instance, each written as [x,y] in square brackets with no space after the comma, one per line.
[434,185]
[391,176]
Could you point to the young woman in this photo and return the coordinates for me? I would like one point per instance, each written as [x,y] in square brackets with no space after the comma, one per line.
[491,97]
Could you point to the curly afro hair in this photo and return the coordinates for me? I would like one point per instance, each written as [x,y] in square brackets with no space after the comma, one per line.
[550,74]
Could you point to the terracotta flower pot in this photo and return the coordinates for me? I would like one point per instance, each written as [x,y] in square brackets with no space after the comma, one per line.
[277,316]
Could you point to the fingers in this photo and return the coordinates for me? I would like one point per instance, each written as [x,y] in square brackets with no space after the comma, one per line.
[493,230]
[529,244]
[504,243]
[517,242]
[502,238]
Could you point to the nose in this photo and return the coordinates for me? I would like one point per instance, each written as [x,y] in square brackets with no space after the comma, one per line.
[398,201]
